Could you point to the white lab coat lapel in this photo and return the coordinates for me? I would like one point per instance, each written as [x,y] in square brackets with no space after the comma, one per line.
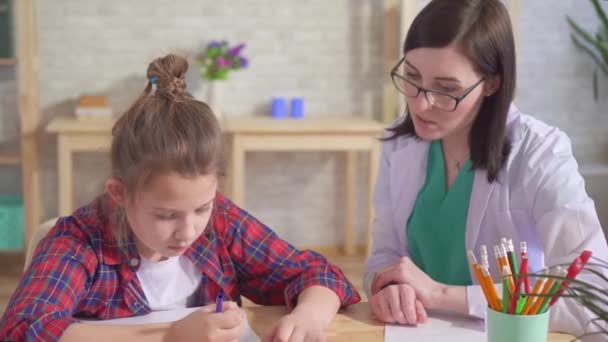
[481,193]
[480,196]
[408,178]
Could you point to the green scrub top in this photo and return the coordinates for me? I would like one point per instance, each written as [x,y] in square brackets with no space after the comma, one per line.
[436,228]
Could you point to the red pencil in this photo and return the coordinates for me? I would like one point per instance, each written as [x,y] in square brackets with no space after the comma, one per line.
[524,254]
[573,270]
[520,280]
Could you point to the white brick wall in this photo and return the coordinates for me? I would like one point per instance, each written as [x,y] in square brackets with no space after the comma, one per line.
[328,52]
[554,77]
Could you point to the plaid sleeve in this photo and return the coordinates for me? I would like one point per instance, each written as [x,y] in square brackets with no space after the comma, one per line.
[271,271]
[41,307]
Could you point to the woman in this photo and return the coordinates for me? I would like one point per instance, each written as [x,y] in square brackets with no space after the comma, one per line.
[464,168]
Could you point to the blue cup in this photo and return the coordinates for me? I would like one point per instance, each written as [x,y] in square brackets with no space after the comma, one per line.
[297,107]
[279,108]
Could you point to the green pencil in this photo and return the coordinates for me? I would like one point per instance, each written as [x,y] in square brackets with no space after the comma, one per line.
[521,302]
[547,300]
[506,294]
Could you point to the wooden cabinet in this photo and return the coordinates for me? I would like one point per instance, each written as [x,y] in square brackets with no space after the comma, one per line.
[26,156]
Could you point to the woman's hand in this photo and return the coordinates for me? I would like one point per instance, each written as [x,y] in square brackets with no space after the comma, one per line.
[298,326]
[205,325]
[427,290]
[398,304]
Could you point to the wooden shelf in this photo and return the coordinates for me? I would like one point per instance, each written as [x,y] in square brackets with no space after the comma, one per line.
[8,61]
[10,159]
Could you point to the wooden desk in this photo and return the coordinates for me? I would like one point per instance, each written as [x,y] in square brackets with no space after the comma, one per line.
[244,134]
[353,324]
[343,134]
[76,136]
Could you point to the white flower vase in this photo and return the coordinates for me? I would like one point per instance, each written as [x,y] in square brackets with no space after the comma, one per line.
[213,91]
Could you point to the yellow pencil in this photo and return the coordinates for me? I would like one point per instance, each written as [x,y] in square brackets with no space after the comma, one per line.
[539,301]
[480,279]
[501,261]
[497,256]
[492,292]
[531,298]
[484,257]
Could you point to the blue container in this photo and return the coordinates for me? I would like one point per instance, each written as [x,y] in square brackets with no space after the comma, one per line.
[279,108]
[297,107]
[11,223]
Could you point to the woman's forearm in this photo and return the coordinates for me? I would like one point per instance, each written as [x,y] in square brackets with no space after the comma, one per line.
[451,297]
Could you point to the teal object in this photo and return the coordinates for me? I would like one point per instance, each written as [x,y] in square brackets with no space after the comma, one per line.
[437,225]
[502,327]
[6,29]
[11,223]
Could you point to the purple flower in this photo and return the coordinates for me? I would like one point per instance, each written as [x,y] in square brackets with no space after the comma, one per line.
[236,50]
[213,44]
[221,61]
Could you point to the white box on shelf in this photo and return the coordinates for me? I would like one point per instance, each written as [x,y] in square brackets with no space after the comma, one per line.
[93,112]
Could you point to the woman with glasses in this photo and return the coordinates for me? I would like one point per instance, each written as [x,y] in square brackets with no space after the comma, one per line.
[464,168]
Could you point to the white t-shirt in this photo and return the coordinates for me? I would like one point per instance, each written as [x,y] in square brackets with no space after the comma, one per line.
[169,284]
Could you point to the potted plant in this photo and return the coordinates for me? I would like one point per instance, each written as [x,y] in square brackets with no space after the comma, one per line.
[591,293]
[595,45]
[215,64]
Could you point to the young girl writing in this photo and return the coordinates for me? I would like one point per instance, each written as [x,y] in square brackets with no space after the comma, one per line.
[162,237]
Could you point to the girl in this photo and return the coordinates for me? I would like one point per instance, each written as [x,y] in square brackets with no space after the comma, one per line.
[464,168]
[162,237]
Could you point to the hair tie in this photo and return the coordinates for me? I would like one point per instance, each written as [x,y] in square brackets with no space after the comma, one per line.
[153,79]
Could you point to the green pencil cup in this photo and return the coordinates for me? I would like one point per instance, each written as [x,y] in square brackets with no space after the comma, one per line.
[502,327]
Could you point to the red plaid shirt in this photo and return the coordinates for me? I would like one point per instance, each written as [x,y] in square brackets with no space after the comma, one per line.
[78,270]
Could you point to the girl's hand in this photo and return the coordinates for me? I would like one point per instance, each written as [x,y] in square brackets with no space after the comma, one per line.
[208,326]
[297,326]
[398,304]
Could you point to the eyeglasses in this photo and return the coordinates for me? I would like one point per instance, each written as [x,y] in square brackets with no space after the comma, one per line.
[444,102]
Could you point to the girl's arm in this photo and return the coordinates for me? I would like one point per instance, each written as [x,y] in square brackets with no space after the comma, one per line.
[270,270]
[318,302]
[42,306]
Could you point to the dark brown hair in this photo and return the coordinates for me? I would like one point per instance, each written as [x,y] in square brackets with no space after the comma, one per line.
[482,28]
[165,130]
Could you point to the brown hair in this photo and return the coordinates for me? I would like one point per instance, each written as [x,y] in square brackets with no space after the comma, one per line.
[163,131]
[483,30]
[166,130]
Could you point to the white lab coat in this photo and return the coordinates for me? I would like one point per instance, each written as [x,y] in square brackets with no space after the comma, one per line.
[539,197]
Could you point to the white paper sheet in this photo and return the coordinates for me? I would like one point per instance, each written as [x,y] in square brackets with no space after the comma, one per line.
[170,316]
[438,328]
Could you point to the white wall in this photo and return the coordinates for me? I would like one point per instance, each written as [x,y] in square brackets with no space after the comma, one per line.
[328,52]
[554,77]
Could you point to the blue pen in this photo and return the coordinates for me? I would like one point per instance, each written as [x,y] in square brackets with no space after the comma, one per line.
[219,301]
